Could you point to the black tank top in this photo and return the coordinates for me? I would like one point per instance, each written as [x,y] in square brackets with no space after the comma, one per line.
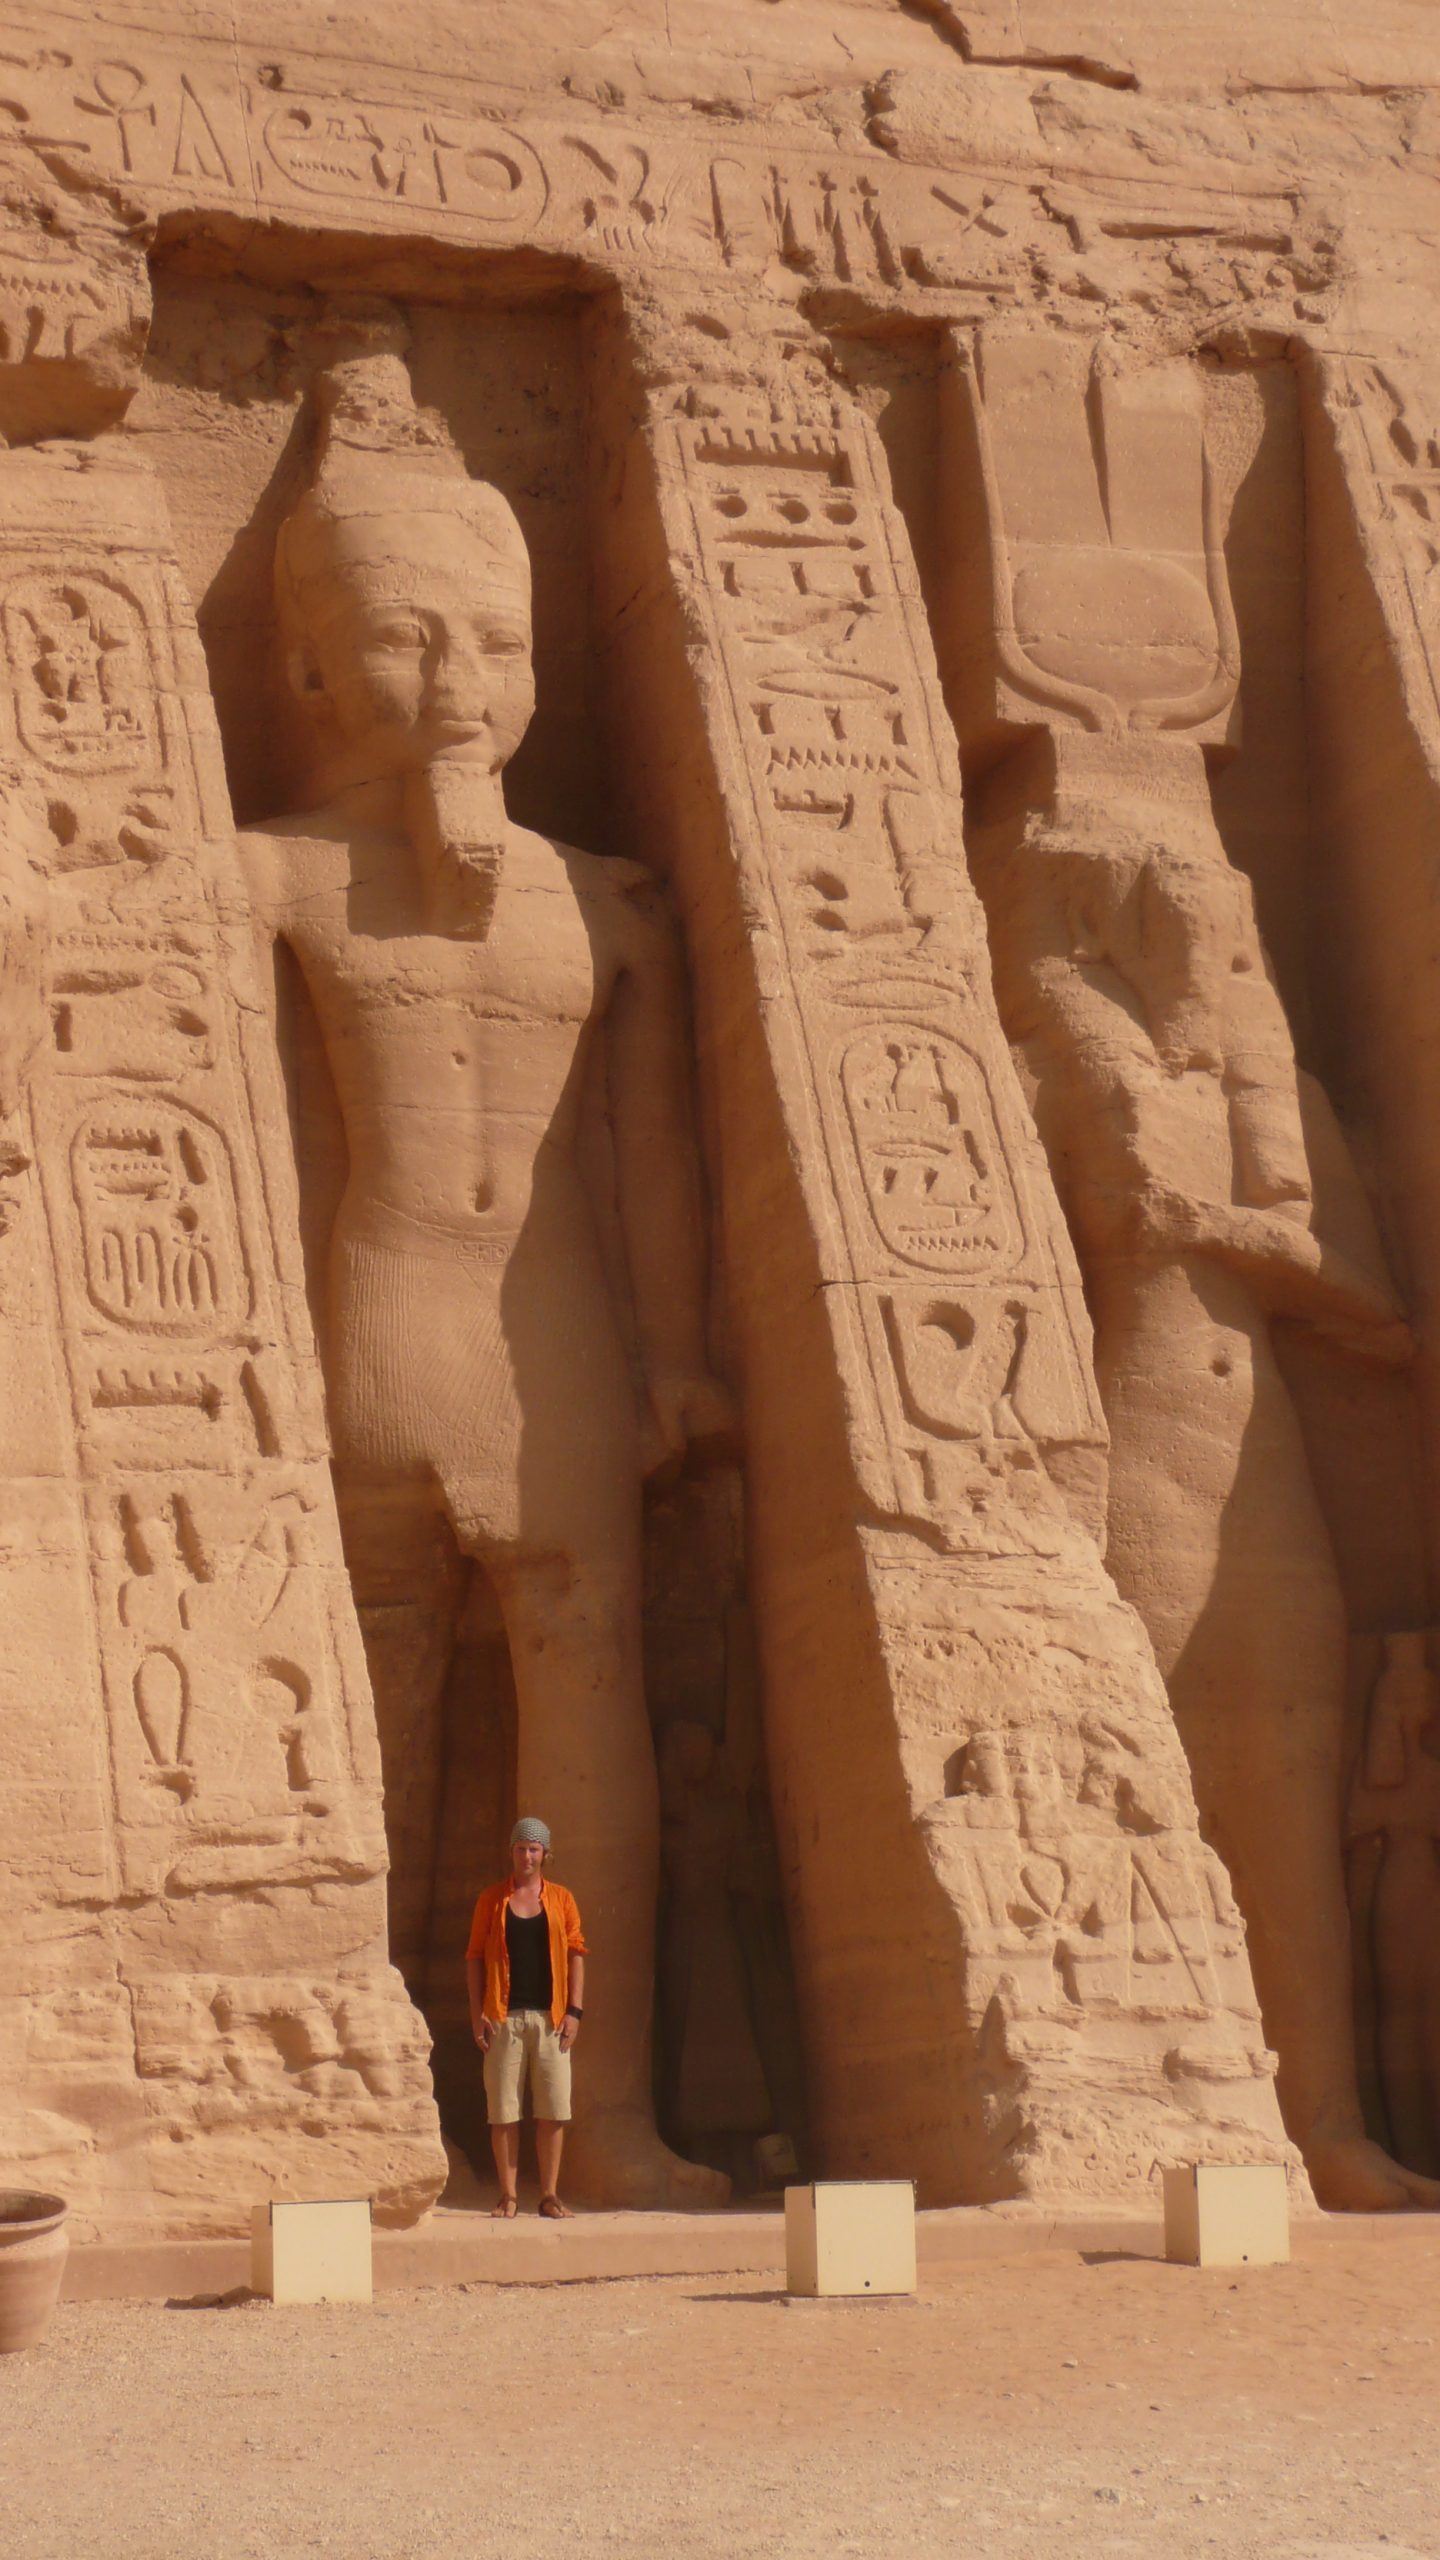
[527,1943]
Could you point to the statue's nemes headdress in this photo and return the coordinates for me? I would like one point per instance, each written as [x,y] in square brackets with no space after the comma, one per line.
[388,481]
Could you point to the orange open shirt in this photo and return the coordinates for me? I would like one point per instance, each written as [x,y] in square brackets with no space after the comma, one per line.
[487,1944]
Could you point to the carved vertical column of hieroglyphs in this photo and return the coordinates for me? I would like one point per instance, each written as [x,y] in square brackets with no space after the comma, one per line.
[1020,1970]
[214,2013]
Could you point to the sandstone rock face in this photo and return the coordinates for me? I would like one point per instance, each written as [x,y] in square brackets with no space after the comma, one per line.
[719,769]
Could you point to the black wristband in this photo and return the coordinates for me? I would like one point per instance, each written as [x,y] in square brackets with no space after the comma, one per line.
[573,2012]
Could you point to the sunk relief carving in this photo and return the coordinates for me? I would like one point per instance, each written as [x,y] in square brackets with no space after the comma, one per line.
[141,1007]
[852,789]
[929,1151]
[959,1370]
[83,701]
[393,154]
[1113,1914]
[83,688]
[155,1197]
[243,1776]
[74,292]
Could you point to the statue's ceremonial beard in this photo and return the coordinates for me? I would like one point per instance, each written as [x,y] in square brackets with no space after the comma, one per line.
[449,809]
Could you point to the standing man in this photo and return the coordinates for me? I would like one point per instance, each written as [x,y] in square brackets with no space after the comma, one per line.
[525,1967]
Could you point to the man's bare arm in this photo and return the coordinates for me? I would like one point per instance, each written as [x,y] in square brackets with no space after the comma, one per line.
[480,2026]
[570,2027]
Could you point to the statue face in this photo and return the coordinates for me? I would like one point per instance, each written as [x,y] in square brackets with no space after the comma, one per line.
[421,643]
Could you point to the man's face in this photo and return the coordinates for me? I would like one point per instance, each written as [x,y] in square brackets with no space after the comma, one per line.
[527,1859]
[421,642]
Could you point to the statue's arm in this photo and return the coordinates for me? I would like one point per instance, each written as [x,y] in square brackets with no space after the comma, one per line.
[263,868]
[1080,1003]
[1071,1011]
[657,1178]
[1061,984]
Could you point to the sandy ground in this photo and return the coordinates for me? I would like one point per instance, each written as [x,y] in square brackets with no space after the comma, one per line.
[1041,2406]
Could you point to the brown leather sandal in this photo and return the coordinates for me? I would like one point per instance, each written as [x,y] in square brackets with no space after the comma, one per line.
[552,2210]
[505,2210]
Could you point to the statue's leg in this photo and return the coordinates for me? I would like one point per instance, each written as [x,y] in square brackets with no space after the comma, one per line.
[389,1310]
[1217,1539]
[1405,1943]
[586,1764]
[407,1576]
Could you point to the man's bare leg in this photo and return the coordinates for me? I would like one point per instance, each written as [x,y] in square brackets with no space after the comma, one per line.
[549,2143]
[1217,1540]
[505,2144]
[585,1755]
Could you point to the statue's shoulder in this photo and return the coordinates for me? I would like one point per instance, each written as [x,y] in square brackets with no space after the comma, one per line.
[629,892]
[319,827]
[592,875]
[284,858]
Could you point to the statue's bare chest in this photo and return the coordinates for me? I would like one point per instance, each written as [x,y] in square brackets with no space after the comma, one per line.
[374,970]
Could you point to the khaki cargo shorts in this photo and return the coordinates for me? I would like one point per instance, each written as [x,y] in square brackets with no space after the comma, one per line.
[526,2047]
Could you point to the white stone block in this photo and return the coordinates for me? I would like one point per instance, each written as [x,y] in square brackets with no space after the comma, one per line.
[317,2252]
[850,2235]
[1227,2217]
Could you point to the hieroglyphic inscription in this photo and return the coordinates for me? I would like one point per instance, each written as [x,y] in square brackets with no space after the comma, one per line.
[929,1152]
[1087,1875]
[53,304]
[139,1005]
[209,121]
[158,1220]
[222,1638]
[212,1543]
[1398,409]
[84,696]
[83,708]
[74,296]
[854,794]
[401,155]
[1061,1820]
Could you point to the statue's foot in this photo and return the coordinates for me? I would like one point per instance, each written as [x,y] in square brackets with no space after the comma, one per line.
[1352,2175]
[618,2159]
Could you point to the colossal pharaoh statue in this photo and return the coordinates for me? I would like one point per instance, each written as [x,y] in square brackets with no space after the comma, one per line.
[463,972]
[1208,1187]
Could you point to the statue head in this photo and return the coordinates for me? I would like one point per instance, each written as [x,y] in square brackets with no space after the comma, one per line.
[403,585]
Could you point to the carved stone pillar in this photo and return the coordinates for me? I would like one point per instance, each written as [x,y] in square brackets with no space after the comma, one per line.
[1020,1971]
[196,1984]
